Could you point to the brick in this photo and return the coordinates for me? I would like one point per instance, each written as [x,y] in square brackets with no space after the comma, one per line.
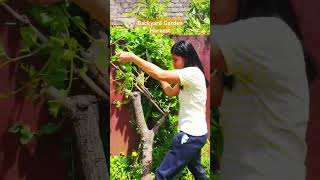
[184,9]
[174,10]
[171,5]
[179,14]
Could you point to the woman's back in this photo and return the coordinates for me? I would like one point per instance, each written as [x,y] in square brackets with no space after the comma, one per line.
[264,116]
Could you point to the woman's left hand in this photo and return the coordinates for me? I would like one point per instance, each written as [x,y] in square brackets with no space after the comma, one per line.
[124,56]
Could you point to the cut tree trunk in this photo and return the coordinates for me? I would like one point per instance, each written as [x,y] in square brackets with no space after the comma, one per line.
[147,136]
[147,146]
[85,124]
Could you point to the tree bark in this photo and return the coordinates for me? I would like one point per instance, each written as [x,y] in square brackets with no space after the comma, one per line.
[85,123]
[147,136]
[147,146]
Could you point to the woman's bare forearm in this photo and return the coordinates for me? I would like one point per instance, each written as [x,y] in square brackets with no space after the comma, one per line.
[169,90]
[154,71]
[150,68]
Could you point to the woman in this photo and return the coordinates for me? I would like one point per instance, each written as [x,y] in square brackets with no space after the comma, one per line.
[191,87]
[264,113]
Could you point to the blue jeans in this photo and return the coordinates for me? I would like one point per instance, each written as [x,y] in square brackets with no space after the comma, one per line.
[185,151]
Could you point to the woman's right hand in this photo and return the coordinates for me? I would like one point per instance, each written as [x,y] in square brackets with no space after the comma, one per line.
[125,56]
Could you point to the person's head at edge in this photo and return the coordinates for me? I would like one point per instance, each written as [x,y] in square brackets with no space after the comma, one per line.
[184,55]
[228,11]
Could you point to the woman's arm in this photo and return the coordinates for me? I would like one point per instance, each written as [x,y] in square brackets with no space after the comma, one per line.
[170,91]
[151,69]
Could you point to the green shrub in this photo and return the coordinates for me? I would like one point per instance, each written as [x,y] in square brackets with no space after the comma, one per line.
[125,167]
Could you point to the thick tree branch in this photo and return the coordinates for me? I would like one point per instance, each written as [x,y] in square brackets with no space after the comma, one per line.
[95,73]
[159,123]
[141,122]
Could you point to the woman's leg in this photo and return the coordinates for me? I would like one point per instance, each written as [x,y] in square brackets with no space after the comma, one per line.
[196,168]
[183,149]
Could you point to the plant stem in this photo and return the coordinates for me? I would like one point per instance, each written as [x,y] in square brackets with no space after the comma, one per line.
[71,75]
[12,60]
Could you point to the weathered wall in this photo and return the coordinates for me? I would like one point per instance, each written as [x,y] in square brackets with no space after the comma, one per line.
[176,8]
[308,15]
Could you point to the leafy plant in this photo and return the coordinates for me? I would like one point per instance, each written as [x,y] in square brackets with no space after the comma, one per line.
[197,19]
[155,48]
[149,9]
[125,167]
[25,133]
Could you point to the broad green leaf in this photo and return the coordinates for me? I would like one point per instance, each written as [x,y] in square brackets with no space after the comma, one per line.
[25,134]
[29,37]
[79,22]
[72,43]
[68,55]
[56,72]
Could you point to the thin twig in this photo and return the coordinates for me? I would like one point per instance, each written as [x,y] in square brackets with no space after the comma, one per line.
[96,89]
[12,60]
[95,73]
[140,89]
[160,122]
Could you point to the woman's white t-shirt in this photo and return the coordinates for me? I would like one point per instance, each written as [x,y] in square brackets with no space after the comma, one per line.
[192,100]
[264,116]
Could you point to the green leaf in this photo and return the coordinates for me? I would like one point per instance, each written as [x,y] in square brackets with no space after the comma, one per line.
[116,103]
[68,55]
[15,128]
[72,43]
[54,108]
[47,129]
[25,134]
[29,37]
[114,58]
[56,72]
[56,42]
[2,50]
[79,22]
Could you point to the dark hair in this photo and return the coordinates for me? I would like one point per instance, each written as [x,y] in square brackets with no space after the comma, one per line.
[185,49]
[282,9]
[268,8]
